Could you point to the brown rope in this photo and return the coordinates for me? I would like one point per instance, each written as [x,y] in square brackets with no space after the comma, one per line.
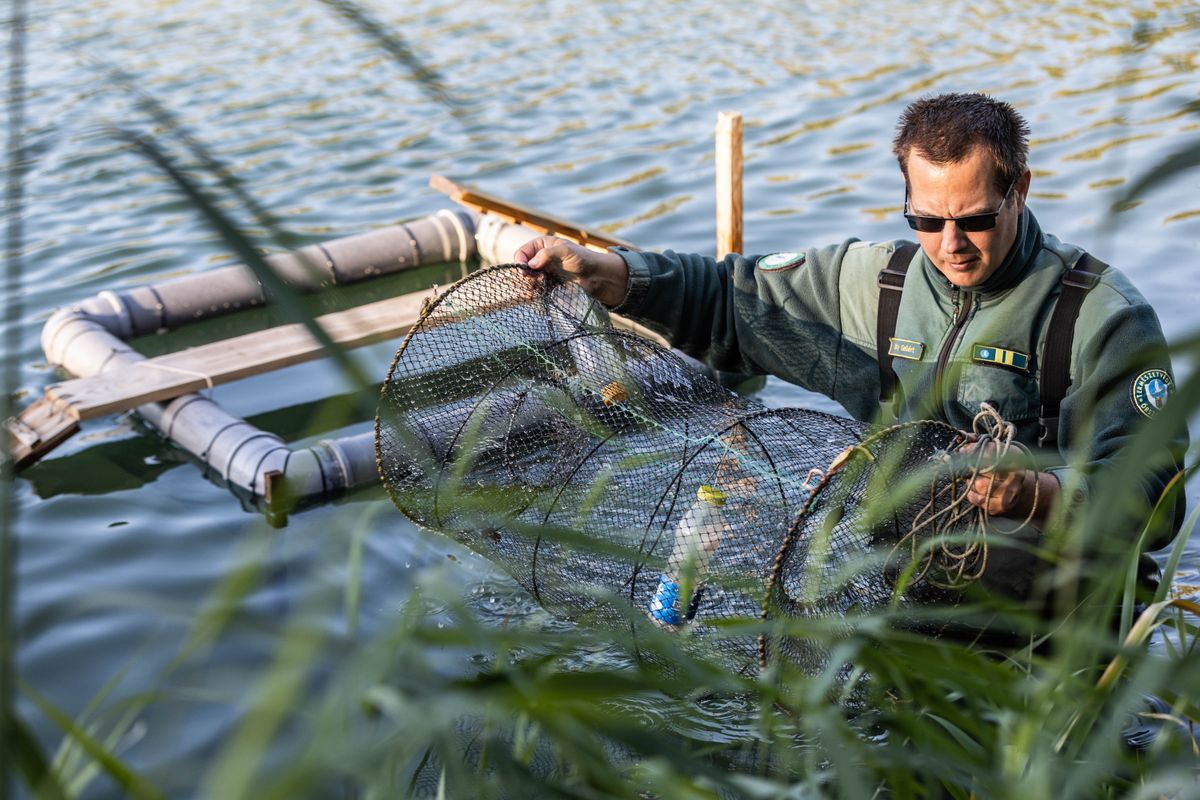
[953,535]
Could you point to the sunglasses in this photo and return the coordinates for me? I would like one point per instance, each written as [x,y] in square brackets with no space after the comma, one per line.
[969,224]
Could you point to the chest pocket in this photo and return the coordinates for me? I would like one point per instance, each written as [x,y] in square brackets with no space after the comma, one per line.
[916,387]
[1012,392]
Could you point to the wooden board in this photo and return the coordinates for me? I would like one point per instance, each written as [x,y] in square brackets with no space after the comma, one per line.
[523,215]
[197,368]
[39,429]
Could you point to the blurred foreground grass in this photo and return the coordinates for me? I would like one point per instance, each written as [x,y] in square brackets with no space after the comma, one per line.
[533,710]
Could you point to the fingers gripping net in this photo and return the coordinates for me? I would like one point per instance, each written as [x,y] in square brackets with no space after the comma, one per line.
[605,474]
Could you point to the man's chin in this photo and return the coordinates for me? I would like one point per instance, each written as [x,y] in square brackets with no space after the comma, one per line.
[965,275]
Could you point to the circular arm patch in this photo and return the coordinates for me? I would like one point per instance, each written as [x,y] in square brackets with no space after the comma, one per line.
[1150,390]
[777,262]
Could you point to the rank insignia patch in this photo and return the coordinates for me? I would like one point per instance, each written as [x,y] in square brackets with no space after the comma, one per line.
[1150,391]
[780,261]
[906,348]
[990,354]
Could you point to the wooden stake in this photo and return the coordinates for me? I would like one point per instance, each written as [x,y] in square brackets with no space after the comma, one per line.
[729,183]
[275,494]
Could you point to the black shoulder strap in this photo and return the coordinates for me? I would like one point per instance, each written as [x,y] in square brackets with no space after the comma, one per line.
[1056,358]
[891,287]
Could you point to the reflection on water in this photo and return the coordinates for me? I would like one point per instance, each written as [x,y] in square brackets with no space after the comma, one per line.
[601,112]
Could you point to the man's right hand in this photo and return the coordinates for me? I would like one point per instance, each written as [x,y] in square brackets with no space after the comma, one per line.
[604,276]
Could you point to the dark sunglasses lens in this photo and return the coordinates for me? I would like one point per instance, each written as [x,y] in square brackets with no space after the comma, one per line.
[925,224]
[979,222]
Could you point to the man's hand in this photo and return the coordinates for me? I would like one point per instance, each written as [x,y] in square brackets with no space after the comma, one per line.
[604,276]
[1012,492]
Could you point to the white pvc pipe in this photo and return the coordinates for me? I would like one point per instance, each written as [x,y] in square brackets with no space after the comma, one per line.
[238,453]
[447,236]
[87,339]
[496,240]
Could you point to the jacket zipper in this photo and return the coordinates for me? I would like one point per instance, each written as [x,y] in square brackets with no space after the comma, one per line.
[962,309]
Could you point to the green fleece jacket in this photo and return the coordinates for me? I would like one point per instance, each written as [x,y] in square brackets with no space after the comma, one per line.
[810,318]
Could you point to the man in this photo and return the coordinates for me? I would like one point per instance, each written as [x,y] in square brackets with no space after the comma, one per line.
[973,322]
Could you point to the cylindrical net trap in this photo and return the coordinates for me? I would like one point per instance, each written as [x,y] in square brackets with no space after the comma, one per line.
[619,486]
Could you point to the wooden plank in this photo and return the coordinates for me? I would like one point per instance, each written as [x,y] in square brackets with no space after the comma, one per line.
[38,429]
[55,417]
[197,368]
[523,215]
[729,183]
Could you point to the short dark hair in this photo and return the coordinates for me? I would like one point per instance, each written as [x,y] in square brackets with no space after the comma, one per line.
[947,127]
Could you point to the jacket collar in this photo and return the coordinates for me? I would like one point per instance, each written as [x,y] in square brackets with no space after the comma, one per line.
[1013,269]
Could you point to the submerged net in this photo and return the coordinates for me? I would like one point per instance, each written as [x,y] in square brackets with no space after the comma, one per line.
[620,486]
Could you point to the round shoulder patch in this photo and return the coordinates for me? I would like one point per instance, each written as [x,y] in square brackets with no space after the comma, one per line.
[1150,391]
[780,261]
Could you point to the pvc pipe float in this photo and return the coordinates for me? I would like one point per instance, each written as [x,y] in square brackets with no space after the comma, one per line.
[88,339]
[245,457]
[237,452]
[497,240]
[446,236]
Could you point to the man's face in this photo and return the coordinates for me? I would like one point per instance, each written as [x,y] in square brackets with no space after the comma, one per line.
[960,190]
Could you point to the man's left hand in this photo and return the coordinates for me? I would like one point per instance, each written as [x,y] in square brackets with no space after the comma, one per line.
[1011,491]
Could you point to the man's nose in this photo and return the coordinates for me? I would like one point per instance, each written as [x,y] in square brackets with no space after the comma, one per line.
[953,238]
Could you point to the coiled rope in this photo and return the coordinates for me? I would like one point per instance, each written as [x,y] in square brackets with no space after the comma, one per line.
[952,531]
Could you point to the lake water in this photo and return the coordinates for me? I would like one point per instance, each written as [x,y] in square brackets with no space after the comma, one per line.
[599,112]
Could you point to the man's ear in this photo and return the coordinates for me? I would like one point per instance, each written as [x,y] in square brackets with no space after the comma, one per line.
[1022,189]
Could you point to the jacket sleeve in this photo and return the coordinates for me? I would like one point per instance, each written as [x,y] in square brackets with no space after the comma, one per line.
[807,317]
[1119,349]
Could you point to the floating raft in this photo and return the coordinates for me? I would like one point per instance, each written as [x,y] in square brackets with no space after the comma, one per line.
[89,341]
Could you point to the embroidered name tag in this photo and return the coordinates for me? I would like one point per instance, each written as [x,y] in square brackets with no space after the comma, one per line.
[906,348]
[780,261]
[990,354]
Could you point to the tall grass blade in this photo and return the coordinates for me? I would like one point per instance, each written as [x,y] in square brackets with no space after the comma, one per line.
[427,77]
[1177,551]
[1171,167]
[287,298]
[14,195]
[73,765]
[1165,505]
[272,699]
[1140,633]
[121,773]
[32,764]
[169,121]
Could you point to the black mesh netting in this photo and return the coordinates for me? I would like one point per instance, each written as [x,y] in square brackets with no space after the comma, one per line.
[604,473]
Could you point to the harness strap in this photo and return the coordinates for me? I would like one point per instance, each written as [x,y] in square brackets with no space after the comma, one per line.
[1056,358]
[891,287]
